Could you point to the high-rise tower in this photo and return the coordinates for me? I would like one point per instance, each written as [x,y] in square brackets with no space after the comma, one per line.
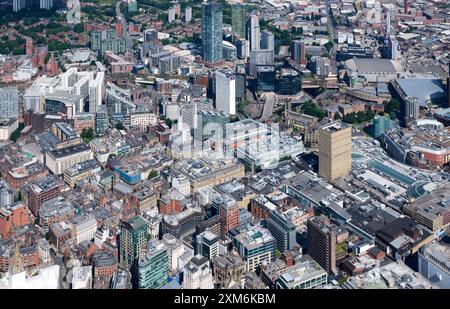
[212,18]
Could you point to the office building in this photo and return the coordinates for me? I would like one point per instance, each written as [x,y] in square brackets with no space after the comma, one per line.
[226,92]
[183,223]
[448,86]
[283,230]
[320,66]
[80,171]
[212,18]
[101,120]
[228,211]
[42,190]
[153,267]
[9,102]
[105,264]
[298,52]
[143,119]
[82,277]
[132,6]
[58,160]
[322,243]
[335,150]
[259,57]
[171,14]
[132,241]
[45,4]
[198,274]
[287,82]
[229,51]
[6,194]
[267,40]
[409,110]
[265,78]
[238,20]
[18,5]
[83,228]
[255,246]
[188,14]
[434,264]
[54,211]
[253,34]
[207,245]
[241,48]
[304,275]
[12,216]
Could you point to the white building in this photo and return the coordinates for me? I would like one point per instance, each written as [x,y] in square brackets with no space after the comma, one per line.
[198,274]
[44,251]
[143,119]
[171,14]
[434,264]
[175,250]
[82,277]
[7,126]
[46,278]
[188,14]
[18,5]
[226,92]
[58,160]
[46,4]
[100,237]
[83,228]
[254,34]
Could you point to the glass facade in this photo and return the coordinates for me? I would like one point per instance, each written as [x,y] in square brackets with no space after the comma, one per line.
[212,19]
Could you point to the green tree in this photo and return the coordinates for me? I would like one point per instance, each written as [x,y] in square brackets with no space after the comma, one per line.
[119,126]
[87,134]
[393,105]
[78,28]
[337,116]
[152,174]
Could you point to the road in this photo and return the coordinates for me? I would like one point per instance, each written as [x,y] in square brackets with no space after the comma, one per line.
[126,34]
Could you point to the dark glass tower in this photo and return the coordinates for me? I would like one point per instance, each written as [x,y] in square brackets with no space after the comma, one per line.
[212,14]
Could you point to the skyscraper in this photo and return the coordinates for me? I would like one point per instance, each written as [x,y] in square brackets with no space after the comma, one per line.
[335,150]
[226,92]
[322,243]
[259,57]
[298,52]
[46,4]
[171,14]
[238,20]
[9,102]
[409,110]
[267,40]
[133,237]
[254,35]
[188,14]
[212,18]
[18,5]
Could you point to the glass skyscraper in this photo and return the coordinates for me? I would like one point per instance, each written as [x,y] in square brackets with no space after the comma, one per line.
[212,18]
[238,20]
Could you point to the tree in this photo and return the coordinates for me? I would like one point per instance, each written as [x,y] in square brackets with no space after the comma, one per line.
[329,45]
[393,105]
[78,28]
[337,116]
[152,174]
[87,134]
[119,126]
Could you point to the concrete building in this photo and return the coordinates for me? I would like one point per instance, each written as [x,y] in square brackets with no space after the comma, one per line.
[298,52]
[434,264]
[83,228]
[46,4]
[82,277]
[304,275]
[42,190]
[198,274]
[80,171]
[58,160]
[335,150]
[226,92]
[54,211]
[259,57]
[267,40]
[322,243]
[18,5]
[255,246]
[143,119]
[9,102]
[253,32]
[188,14]
[207,245]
